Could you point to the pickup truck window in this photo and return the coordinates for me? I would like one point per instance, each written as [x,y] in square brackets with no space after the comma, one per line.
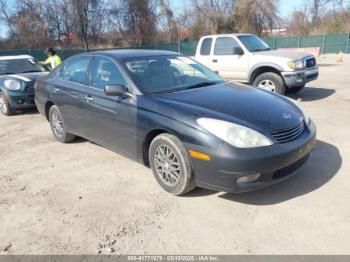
[253,43]
[225,46]
[206,46]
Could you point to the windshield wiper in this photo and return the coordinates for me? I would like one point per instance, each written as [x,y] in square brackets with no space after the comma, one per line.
[8,73]
[30,71]
[202,84]
[261,49]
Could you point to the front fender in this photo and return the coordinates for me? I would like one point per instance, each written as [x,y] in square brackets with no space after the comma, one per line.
[265,64]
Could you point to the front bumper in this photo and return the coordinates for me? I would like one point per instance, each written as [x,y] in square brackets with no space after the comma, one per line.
[19,99]
[274,163]
[300,78]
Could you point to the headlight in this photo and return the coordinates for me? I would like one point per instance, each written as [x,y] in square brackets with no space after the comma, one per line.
[235,135]
[12,84]
[305,115]
[297,64]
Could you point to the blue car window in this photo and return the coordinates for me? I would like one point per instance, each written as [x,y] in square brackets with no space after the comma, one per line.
[168,73]
[105,72]
[19,66]
[75,70]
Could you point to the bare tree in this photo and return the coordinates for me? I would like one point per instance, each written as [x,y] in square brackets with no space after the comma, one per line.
[6,17]
[218,12]
[256,16]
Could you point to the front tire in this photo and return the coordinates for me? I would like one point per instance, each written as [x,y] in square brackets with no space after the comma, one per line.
[5,106]
[171,165]
[58,126]
[270,81]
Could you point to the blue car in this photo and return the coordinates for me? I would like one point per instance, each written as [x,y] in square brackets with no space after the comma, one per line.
[176,116]
[17,79]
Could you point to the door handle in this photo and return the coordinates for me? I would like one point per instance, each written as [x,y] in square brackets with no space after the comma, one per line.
[55,90]
[88,98]
[214,60]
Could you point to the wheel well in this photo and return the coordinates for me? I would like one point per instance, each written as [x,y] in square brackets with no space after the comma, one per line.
[47,109]
[261,70]
[147,142]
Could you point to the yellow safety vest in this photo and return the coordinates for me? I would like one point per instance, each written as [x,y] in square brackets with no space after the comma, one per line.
[54,61]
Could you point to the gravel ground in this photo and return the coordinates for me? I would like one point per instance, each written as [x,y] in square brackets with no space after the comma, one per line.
[80,198]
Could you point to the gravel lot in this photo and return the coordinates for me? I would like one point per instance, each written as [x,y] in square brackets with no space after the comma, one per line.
[80,198]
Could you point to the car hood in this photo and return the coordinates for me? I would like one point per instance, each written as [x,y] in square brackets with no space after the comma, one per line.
[293,55]
[27,77]
[255,108]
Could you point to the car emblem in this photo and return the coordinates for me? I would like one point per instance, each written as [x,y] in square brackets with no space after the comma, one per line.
[287,116]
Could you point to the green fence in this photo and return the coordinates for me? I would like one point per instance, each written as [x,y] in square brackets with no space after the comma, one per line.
[332,43]
[184,47]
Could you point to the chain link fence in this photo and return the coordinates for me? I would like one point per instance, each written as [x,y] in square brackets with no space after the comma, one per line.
[332,43]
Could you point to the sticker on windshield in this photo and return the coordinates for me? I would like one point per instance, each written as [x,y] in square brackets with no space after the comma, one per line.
[186,60]
[32,61]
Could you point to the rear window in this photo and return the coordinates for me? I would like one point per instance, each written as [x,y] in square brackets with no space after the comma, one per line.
[206,46]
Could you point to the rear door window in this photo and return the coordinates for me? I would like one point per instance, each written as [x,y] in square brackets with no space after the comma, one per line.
[206,46]
[75,70]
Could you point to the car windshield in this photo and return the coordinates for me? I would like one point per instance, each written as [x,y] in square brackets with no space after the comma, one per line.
[254,43]
[18,66]
[169,73]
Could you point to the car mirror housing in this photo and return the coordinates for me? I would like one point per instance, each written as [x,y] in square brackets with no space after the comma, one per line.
[238,51]
[117,90]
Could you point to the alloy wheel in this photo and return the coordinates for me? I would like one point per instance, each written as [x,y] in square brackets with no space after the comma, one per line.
[267,85]
[57,123]
[3,105]
[167,165]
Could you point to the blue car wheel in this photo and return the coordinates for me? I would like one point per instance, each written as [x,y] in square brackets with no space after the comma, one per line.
[5,106]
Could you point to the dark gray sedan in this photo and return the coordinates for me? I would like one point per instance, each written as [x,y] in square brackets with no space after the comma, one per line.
[173,114]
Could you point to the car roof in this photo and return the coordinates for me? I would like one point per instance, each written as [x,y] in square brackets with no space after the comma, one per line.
[129,53]
[233,34]
[15,57]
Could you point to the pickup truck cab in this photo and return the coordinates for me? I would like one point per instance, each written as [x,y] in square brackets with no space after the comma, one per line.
[248,59]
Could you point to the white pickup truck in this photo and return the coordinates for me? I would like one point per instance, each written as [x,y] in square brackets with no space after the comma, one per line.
[248,59]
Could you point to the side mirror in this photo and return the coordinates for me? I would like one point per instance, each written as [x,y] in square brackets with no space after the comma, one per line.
[117,90]
[238,51]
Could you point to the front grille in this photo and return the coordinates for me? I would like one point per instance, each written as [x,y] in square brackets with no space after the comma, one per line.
[30,87]
[288,135]
[311,62]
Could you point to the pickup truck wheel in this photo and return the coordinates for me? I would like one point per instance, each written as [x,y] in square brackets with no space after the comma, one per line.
[5,106]
[58,126]
[294,89]
[171,165]
[270,81]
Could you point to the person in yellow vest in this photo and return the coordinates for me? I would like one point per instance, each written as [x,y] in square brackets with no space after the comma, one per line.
[53,59]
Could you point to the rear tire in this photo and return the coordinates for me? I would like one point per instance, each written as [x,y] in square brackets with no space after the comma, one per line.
[58,126]
[270,81]
[5,106]
[171,165]
[294,89]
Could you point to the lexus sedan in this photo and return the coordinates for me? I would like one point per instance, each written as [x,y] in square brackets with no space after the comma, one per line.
[176,116]
[17,78]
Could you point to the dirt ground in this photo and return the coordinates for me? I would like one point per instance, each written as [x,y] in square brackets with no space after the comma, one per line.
[80,198]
